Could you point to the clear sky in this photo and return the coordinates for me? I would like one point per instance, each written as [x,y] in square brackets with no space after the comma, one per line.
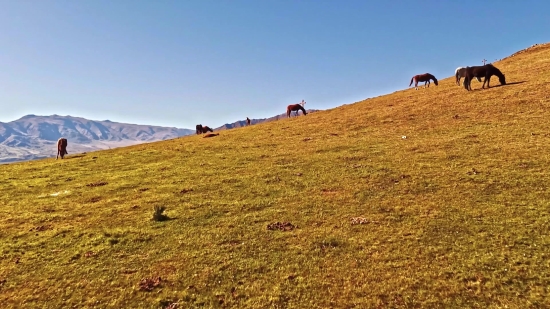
[183,62]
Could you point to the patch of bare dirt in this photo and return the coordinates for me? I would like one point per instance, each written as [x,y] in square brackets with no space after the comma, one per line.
[359,220]
[281,226]
[40,228]
[148,284]
[97,184]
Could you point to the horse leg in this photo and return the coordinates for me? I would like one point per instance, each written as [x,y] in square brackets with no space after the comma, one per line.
[415,84]
[488,80]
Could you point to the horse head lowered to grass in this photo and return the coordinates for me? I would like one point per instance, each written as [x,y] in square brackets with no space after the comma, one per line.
[203,129]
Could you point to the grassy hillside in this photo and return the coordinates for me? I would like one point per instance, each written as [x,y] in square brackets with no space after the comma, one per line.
[455,215]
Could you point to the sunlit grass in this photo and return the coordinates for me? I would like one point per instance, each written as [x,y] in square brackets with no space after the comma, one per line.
[453,186]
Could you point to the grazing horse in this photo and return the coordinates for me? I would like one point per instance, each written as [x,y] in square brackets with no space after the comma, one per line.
[426,77]
[203,129]
[486,71]
[459,73]
[247,121]
[61,148]
[293,108]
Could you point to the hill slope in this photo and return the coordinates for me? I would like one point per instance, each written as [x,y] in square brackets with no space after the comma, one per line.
[242,123]
[450,185]
[33,137]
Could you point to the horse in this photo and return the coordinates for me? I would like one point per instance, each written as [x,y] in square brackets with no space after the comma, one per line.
[247,121]
[486,71]
[426,77]
[199,129]
[61,148]
[293,108]
[459,73]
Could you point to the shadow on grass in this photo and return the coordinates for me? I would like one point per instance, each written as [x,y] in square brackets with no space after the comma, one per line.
[509,84]
[75,156]
[496,86]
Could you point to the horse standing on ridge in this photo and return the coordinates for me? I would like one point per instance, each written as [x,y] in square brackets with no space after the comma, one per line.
[61,148]
[426,77]
[486,71]
[293,108]
[247,121]
[459,73]
[203,129]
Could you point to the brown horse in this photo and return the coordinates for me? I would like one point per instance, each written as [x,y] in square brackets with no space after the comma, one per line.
[61,148]
[247,121]
[203,129]
[486,71]
[426,77]
[295,107]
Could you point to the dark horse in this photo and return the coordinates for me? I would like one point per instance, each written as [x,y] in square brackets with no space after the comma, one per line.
[426,77]
[203,129]
[295,107]
[61,148]
[247,121]
[460,72]
[486,71]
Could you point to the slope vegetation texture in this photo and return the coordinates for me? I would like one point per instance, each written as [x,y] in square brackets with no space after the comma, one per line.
[436,198]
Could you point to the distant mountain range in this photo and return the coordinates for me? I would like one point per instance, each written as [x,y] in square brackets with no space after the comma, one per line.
[35,137]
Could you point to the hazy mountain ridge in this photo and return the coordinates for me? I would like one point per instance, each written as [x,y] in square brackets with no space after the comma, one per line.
[242,123]
[33,137]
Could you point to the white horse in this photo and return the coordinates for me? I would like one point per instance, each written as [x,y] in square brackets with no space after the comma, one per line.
[459,73]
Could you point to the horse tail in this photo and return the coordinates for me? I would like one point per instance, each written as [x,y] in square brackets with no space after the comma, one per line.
[411,81]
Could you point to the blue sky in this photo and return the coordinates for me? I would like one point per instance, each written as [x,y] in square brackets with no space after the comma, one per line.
[179,63]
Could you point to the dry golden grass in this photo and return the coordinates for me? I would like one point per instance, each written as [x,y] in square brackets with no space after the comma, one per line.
[455,215]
